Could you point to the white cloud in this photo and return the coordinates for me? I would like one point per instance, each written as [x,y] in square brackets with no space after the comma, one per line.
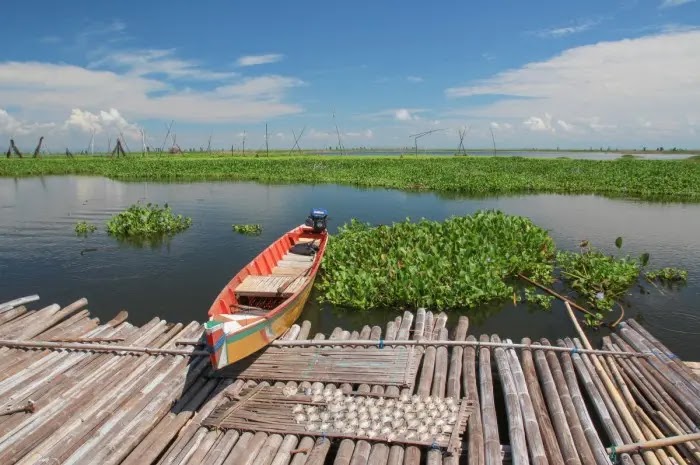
[535,123]
[271,86]
[404,114]
[567,30]
[254,60]
[43,90]
[104,121]
[672,3]
[11,126]
[565,126]
[601,89]
[506,126]
[414,79]
[148,62]
[366,134]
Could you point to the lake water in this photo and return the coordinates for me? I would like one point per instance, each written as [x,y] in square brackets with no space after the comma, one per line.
[177,280]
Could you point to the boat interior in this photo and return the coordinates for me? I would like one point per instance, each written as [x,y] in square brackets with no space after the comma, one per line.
[275,275]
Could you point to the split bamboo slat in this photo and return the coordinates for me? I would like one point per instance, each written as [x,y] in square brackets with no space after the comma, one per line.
[115,393]
[368,365]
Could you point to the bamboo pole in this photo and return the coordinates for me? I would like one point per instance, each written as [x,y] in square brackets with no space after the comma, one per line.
[656,443]
[584,451]
[430,343]
[607,411]
[412,454]
[685,371]
[454,375]
[139,409]
[596,446]
[625,414]
[633,395]
[455,372]
[84,388]
[318,453]
[660,387]
[516,428]
[557,295]
[397,452]
[556,410]
[125,375]
[667,367]
[535,443]
[17,302]
[549,438]
[475,430]
[492,442]
[99,348]
[440,376]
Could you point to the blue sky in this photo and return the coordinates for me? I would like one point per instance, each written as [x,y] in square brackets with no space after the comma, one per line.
[569,74]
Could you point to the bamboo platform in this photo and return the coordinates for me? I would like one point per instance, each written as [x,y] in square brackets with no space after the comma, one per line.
[529,404]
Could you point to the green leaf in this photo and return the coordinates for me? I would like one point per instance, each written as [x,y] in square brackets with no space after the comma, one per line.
[618,242]
[644,258]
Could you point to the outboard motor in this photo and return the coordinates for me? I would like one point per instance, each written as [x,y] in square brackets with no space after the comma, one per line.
[317,220]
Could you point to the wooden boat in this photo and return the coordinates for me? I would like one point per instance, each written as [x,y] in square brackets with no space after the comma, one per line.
[267,296]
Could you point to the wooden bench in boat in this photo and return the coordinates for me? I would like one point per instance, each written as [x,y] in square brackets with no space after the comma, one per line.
[268,286]
[292,257]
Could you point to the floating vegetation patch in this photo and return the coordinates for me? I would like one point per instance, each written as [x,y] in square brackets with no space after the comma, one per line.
[667,275]
[470,175]
[599,278]
[460,263]
[83,228]
[147,222]
[469,262]
[248,229]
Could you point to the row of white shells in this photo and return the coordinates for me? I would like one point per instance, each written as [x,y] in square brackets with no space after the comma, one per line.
[409,417]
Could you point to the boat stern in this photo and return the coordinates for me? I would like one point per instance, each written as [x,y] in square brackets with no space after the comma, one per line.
[216,343]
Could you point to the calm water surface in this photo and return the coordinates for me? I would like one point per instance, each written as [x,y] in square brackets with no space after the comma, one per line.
[177,280]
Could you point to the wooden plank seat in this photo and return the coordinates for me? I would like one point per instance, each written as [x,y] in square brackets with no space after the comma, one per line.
[298,258]
[281,271]
[306,240]
[293,264]
[267,286]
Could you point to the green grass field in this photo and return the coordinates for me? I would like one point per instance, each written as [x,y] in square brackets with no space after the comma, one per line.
[642,179]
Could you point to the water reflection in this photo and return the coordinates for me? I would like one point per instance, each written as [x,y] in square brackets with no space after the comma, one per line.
[177,280]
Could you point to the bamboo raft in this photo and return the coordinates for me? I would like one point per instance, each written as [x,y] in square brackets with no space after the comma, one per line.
[530,404]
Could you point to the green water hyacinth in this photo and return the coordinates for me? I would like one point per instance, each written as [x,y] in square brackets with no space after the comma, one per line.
[83,228]
[462,262]
[667,275]
[601,279]
[248,229]
[147,221]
